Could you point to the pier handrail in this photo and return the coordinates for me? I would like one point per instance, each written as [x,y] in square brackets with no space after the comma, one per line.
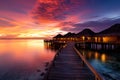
[52,63]
[96,74]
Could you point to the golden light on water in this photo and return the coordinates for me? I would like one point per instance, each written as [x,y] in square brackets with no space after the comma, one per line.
[36,43]
[103,57]
[27,51]
[90,54]
[96,55]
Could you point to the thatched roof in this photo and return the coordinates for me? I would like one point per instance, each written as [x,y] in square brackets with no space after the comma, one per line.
[86,32]
[112,31]
[58,36]
[69,34]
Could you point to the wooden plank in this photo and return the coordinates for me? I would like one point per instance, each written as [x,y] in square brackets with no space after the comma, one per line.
[68,66]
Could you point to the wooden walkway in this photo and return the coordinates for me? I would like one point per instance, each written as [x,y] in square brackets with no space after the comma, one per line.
[68,66]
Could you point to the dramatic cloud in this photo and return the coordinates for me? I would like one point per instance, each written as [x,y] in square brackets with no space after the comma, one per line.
[46,18]
[56,10]
[75,15]
[21,6]
[94,25]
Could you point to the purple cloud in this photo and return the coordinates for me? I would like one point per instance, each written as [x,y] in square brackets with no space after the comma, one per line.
[96,26]
[56,9]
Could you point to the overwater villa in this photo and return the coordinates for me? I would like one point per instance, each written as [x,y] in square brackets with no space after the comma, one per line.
[110,35]
[108,39]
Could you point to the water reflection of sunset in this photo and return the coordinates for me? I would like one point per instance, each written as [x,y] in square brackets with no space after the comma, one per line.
[36,43]
[31,52]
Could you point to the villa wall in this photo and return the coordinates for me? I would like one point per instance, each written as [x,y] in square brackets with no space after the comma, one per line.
[104,39]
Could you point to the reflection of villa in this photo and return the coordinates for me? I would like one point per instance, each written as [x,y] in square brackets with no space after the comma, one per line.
[111,34]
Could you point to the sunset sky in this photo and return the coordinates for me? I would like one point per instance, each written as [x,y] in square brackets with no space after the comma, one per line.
[46,18]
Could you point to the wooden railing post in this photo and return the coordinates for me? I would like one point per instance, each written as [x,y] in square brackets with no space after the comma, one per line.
[96,74]
[83,63]
[96,78]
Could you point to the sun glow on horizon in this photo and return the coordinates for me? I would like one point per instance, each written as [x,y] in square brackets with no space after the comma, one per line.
[34,33]
[47,18]
[29,35]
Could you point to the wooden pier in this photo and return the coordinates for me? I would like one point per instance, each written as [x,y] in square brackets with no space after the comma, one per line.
[68,65]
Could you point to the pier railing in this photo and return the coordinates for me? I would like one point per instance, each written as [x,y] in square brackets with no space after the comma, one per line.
[53,63]
[96,74]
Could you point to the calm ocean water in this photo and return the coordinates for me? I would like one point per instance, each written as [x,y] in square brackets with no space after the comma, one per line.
[107,64]
[27,59]
[23,59]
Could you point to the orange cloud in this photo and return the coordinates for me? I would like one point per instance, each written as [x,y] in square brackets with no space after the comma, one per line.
[50,17]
